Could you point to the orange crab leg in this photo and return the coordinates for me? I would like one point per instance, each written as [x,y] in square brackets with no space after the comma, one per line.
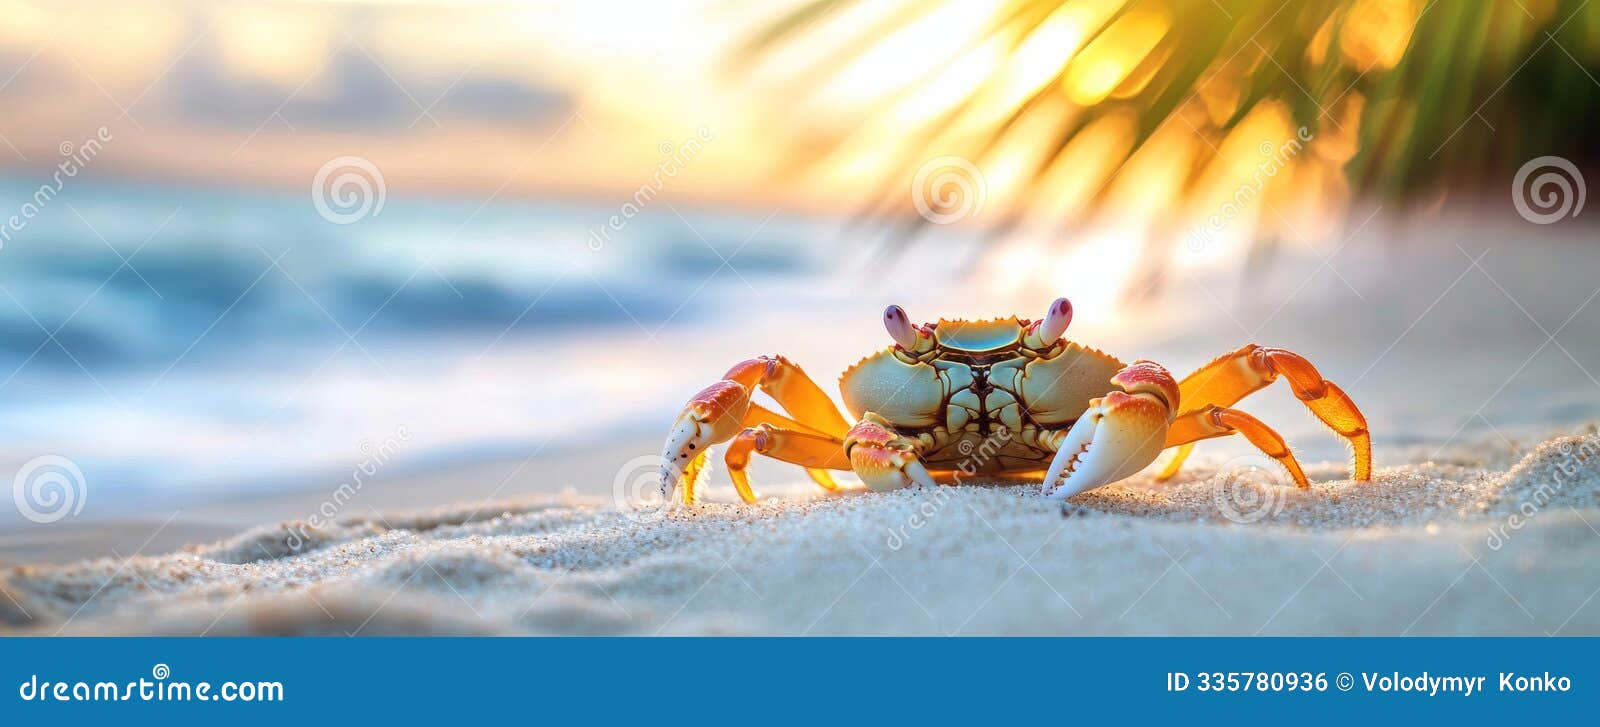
[1232,377]
[1217,421]
[720,411]
[812,451]
[758,415]
[691,474]
[1176,463]
[793,390]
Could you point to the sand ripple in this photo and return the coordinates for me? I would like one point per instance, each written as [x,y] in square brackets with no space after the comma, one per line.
[1434,547]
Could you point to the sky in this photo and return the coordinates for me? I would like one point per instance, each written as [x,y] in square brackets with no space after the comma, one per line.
[603,101]
[538,99]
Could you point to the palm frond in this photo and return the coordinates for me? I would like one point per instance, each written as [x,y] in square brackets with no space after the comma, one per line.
[1432,95]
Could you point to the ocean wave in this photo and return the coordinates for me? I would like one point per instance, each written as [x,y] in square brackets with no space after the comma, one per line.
[89,284]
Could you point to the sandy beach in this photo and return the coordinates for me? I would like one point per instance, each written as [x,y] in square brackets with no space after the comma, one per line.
[1490,538]
[1483,518]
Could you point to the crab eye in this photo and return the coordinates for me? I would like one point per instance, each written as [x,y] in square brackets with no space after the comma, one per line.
[1056,321]
[900,328]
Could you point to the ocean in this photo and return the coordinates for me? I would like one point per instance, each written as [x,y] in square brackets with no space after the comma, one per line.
[181,343]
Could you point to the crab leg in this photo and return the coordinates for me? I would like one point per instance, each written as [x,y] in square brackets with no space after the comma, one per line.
[1117,435]
[761,415]
[807,449]
[1217,421]
[793,390]
[882,458]
[1232,377]
[1176,463]
[720,411]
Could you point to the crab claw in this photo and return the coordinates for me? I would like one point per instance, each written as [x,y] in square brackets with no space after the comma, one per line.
[883,459]
[711,417]
[1118,435]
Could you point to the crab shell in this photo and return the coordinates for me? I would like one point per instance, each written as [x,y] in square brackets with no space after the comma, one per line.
[979,395]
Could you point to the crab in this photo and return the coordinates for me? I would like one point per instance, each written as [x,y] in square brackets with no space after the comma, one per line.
[1007,397]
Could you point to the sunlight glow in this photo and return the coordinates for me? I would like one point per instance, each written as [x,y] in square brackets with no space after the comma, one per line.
[1081,169]
[1009,168]
[1245,186]
[1114,55]
[956,84]
[1040,58]
[909,53]
[283,45]
[23,20]
[1375,35]
[1097,269]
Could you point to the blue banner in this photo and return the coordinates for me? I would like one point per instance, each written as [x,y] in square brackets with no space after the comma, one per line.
[1298,680]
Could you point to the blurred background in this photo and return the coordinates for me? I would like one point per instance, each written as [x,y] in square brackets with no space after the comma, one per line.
[257,249]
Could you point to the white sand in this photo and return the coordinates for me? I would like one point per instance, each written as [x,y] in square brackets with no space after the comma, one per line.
[1424,549]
